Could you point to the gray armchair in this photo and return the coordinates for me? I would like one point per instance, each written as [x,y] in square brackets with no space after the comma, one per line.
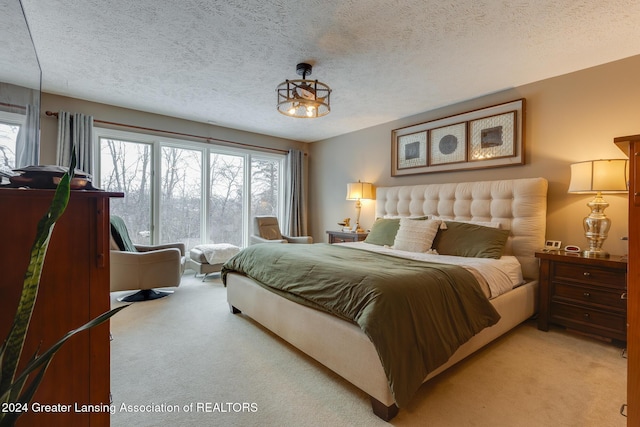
[267,230]
[143,267]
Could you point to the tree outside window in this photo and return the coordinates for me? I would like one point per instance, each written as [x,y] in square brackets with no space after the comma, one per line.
[240,185]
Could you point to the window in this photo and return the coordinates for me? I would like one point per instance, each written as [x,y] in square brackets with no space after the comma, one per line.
[183,191]
[181,195]
[265,188]
[126,166]
[9,128]
[226,200]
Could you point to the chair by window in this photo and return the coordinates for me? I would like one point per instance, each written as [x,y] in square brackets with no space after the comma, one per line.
[143,267]
[267,230]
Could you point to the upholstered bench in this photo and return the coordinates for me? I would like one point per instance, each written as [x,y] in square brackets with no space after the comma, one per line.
[208,258]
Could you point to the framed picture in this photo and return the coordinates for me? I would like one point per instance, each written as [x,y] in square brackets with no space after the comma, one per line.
[412,150]
[493,137]
[485,138]
[448,144]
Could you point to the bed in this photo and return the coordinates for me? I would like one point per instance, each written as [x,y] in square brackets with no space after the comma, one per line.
[517,206]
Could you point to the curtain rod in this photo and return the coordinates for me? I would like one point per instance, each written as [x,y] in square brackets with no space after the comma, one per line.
[19,107]
[206,138]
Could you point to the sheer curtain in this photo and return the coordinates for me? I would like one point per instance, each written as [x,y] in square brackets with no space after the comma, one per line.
[295,212]
[75,130]
[27,141]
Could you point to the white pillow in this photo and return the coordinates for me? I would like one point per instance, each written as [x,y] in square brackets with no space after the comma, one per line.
[416,235]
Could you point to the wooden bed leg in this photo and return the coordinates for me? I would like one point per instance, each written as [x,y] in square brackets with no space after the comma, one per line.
[383,411]
[234,310]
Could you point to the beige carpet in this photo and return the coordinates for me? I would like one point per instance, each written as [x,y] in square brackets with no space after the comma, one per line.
[188,353]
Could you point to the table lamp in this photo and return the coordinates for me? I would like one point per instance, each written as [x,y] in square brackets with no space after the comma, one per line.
[358,191]
[598,176]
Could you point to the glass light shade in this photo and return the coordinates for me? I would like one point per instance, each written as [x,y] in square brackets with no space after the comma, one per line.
[303,98]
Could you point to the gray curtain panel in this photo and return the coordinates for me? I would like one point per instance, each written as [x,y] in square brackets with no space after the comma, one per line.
[295,212]
[27,141]
[75,130]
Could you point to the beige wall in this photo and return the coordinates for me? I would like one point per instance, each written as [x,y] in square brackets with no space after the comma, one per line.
[49,127]
[569,118]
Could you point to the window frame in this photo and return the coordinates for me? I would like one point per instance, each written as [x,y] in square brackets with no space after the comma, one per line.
[13,119]
[157,142]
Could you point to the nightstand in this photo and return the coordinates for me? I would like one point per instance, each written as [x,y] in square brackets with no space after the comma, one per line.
[584,294]
[345,236]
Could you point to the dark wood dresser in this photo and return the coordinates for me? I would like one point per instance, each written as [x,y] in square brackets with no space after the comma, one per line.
[583,294]
[630,145]
[74,288]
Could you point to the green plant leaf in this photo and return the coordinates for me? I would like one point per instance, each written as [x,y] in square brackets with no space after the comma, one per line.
[43,360]
[10,418]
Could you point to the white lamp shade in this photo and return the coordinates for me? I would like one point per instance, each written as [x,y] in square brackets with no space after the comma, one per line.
[359,190]
[605,176]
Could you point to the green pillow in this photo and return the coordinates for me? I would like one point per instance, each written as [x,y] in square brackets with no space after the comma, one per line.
[383,232]
[470,240]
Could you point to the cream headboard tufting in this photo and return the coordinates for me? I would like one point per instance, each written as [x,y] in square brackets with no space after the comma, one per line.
[519,205]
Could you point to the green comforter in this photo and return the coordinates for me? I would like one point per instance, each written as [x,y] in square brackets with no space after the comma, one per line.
[416,313]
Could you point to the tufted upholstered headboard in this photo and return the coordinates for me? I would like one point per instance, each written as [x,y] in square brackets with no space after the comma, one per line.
[519,205]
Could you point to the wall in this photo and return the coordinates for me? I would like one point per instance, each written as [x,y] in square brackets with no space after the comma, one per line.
[49,125]
[569,118]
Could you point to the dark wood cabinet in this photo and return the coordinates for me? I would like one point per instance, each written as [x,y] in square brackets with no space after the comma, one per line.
[584,294]
[631,147]
[345,236]
[74,288]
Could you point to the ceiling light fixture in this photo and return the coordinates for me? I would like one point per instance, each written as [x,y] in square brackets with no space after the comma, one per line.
[303,98]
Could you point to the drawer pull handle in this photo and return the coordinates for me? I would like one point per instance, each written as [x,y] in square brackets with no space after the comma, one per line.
[586,294]
[623,296]
[586,315]
[586,273]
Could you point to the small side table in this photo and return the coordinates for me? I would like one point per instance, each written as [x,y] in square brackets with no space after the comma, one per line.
[345,236]
[584,294]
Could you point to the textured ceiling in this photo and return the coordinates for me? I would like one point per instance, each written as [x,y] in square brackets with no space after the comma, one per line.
[18,65]
[219,61]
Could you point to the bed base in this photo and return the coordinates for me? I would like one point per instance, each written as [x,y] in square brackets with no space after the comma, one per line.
[383,411]
[343,347]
